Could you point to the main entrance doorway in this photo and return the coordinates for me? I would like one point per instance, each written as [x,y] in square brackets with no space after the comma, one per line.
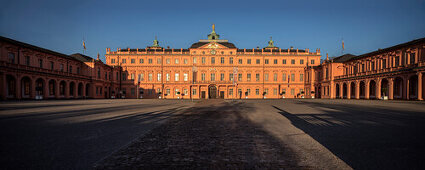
[212,92]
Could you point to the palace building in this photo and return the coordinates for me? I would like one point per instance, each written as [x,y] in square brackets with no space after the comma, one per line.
[211,68]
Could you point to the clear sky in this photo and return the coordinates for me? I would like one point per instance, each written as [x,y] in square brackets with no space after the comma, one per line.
[364,25]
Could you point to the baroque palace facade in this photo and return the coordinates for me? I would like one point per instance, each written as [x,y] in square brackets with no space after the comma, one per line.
[214,68]
[211,68]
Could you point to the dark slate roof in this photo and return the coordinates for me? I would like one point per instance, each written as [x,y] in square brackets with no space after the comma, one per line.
[396,47]
[343,58]
[226,44]
[25,45]
[82,57]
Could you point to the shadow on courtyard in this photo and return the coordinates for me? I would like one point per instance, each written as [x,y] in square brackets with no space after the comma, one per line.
[366,137]
[75,138]
[212,135]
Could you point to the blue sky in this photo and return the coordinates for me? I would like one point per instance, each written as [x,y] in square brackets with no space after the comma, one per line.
[364,25]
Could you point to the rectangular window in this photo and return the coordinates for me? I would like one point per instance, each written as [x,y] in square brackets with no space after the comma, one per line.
[397,61]
[373,66]
[231,60]
[27,60]
[132,76]
[52,67]
[292,61]
[312,62]
[150,61]
[212,60]
[167,61]
[266,91]
[185,77]
[284,61]
[384,63]
[257,77]
[222,60]
[203,60]
[176,77]
[240,61]
[301,61]
[257,61]
[150,77]
[194,91]
[231,76]
[301,77]
[167,91]
[363,68]
[248,91]
[266,77]
[274,91]
[185,92]
[266,61]
[203,76]
[123,61]
[142,77]
[40,63]
[230,92]
[141,61]
[292,91]
[11,57]
[292,77]
[239,77]
[70,69]
[176,61]
[248,77]
[248,61]
[412,58]
[113,61]
[283,77]
[159,76]
[275,61]
[194,60]
[212,76]
[133,61]
[61,67]
[222,77]
[257,91]
[167,77]
[158,61]
[275,77]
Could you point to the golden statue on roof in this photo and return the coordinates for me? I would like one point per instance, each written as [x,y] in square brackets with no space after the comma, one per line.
[213,27]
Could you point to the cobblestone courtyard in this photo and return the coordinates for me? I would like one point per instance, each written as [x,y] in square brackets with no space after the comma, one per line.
[213,134]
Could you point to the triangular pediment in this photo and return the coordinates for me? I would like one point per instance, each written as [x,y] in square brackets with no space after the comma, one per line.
[213,45]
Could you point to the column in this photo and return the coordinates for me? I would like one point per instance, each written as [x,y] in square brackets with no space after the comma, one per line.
[18,87]
[67,89]
[420,86]
[46,89]
[32,89]
[83,95]
[357,89]
[405,88]
[391,88]
[348,90]
[367,89]
[341,90]
[378,89]
[3,86]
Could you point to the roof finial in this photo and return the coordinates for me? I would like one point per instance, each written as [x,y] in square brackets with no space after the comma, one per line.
[327,58]
[213,27]
[155,42]
[98,56]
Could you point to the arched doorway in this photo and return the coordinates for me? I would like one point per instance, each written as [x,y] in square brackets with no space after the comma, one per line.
[26,87]
[384,88]
[87,90]
[319,92]
[52,88]
[413,87]
[398,88]
[344,91]
[362,89]
[212,92]
[39,88]
[71,89]
[62,87]
[372,89]
[80,90]
[353,90]
[10,86]
[337,91]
